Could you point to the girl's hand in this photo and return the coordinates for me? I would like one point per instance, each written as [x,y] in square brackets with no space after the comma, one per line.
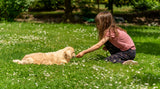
[79,55]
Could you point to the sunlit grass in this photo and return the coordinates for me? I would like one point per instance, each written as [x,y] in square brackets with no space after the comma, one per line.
[48,12]
[116,10]
[102,7]
[123,9]
[18,39]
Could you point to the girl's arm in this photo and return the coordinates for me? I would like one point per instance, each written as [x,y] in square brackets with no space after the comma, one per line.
[94,47]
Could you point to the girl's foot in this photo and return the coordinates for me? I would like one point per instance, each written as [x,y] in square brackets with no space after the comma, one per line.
[130,62]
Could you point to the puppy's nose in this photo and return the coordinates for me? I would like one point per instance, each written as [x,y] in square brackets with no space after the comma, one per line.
[74,55]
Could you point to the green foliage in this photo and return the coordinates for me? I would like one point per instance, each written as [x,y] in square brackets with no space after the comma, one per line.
[103,1]
[9,9]
[47,5]
[142,5]
[88,72]
[86,6]
[120,3]
[156,5]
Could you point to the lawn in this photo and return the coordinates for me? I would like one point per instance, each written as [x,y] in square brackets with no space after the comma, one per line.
[88,72]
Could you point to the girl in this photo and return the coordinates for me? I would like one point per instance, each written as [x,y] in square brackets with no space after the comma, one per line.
[115,40]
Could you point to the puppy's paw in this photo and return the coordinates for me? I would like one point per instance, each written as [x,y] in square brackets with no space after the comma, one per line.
[17,61]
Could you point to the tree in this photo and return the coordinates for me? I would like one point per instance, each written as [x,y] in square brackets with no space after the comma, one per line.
[98,4]
[110,6]
[10,9]
[68,11]
[117,3]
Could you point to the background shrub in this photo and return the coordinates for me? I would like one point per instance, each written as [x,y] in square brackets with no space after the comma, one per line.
[156,5]
[142,5]
[10,9]
[47,5]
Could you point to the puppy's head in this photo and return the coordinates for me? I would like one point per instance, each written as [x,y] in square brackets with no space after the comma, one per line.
[69,53]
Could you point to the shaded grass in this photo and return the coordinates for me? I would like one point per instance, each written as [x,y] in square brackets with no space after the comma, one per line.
[19,39]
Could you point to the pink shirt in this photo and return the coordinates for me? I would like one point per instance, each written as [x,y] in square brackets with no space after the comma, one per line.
[123,41]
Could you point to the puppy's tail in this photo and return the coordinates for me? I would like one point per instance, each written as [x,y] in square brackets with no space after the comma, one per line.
[18,61]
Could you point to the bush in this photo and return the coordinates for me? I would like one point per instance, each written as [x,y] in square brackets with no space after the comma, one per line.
[142,5]
[85,7]
[156,5]
[10,9]
[47,5]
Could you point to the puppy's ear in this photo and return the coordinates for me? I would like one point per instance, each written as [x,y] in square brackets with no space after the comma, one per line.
[67,55]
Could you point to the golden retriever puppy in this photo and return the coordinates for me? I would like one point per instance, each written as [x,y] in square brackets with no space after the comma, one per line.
[59,57]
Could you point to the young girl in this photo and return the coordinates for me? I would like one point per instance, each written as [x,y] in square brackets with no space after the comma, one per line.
[115,40]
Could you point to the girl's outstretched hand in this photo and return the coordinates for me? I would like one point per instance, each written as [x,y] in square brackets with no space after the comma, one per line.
[79,55]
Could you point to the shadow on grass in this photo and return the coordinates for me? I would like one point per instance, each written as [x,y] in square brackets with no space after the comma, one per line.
[147,48]
[100,57]
[143,34]
[142,31]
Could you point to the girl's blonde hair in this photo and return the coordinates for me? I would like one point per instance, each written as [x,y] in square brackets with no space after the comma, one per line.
[105,21]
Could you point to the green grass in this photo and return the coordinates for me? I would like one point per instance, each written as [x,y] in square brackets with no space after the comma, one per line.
[90,71]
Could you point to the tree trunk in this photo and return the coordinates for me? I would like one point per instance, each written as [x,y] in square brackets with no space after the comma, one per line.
[98,5]
[68,11]
[110,7]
